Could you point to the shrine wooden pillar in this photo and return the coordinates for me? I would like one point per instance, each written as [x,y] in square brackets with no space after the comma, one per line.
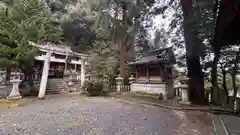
[161,73]
[147,73]
[137,70]
[168,80]
[75,67]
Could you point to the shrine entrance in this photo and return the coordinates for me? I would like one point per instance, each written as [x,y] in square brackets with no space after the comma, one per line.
[56,70]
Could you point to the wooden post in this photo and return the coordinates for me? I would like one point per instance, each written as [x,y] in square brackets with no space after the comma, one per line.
[136,72]
[147,74]
[161,73]
[75,67]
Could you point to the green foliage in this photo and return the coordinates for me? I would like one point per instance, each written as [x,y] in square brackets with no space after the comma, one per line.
[94,88]
[94,40]
[103,61]
[26,90]
[176,74]
[78,26]
[126,20]
[23,21]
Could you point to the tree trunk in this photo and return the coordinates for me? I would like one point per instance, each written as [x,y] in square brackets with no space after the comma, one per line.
[225,85]
[196,81]
[123,45]
[215,87]
[234,72]
[195,74]
[28,72]
[123,59]
[233,75]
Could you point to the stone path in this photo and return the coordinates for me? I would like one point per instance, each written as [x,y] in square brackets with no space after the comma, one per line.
[232,124]
[99,116]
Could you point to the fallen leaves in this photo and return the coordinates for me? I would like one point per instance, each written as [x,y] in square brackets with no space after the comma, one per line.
[77,121]
[7,103]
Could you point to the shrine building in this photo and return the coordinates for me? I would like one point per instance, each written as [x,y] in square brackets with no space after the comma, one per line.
[153,72]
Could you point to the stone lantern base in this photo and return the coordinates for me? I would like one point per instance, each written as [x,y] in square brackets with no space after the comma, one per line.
[15,94]
[14,97]
[184,102]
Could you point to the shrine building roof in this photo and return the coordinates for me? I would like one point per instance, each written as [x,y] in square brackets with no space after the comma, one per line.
[163,55]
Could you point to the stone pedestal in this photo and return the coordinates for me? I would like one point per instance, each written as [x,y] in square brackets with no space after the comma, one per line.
[70,82]
[131,79]
[119,82]
[15,94]
[184,91]
[70,77]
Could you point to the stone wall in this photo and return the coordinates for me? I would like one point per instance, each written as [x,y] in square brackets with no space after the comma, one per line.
[149,88]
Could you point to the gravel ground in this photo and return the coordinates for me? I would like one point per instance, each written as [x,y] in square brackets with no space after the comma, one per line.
[99,116]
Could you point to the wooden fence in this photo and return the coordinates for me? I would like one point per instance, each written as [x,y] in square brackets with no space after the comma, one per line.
[123,88]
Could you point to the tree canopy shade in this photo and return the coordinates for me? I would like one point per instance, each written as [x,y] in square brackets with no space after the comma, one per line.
[84,35]
[23,21]
[78,26]
[227,23]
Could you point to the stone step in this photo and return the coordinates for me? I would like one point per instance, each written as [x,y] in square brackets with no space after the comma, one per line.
[56,89]
[55,86]
[52,92]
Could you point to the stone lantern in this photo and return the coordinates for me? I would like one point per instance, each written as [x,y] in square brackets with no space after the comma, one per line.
[70,79]
[131,79]
[15,80]
[184,90]
[183,79]
[119,82]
